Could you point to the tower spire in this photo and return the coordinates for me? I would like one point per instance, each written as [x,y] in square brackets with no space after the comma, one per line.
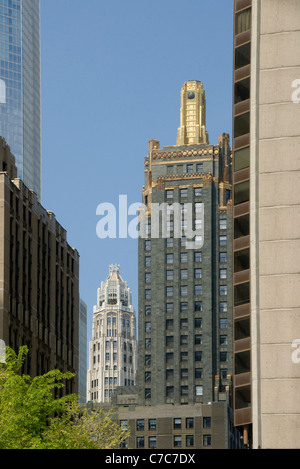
[192,130]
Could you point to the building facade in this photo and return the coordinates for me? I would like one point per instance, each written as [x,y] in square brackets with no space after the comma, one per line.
[266,213]
[20,83]
[113,348]
[185,286]
[39,280]
[83,355]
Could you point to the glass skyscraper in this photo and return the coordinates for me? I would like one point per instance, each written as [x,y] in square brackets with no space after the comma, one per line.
[20,71]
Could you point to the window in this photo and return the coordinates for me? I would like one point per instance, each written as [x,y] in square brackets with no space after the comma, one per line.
[147,261]
[242,362]
[169,357]
[198,323]
[198,191]
[107,356]
[223,340]
[223,306]
[223,373]
[169,374]
[242,328]
[242,56]
[241,192]
[189,440]
[169,341]
[183,257]
[242,124]
[198,290]
[177,423]
[140,442]
[241,294]
[241,260]
[169,324]
[183,290]
[147,393]
[197,273]
[183,307]
[170,308]
[169,243]
[198,305]
[189,168]
[243,397]
[177,441]
[147,360]
[147,310]
[198,208]
[197,256]
[147,245]
[199,390]
[198,356]
[169,194]
[223,323]
[206,440]
[169,275]
[183,340]
[148,294]
[184,323]
[223,356]
[198,373]
[206,422]
[242,90]
[184,390]
[152,442]
[198,339]
[183,242]
[189,422]
[222,241]
[222,257]
[242,158]
[170,169]
[223,274]
[152,424]
[199,169]
[184,373]
[147,343]
[183,192]
[147,278]
[169,258]
[223,224]
[147,376]
[140,424]
[170,226]
[169,291]
[184,356]
[170,391]
[183,274]
[223,290]
[243,21]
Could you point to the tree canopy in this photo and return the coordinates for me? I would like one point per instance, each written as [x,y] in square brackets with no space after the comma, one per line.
[32,417]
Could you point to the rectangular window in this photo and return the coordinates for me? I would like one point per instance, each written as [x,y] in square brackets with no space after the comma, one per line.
[169,275]
[177,441]
[189,422]
[223,356]
[241,260]
[169,194]
[199,168]
[183,192]
[206,422]
[147,326]
[197,256]
[242,90]
[170,170]
[242,362]
[223,306]
[223,340]
[241,192]
[243,21]
[199,390]
[198,306]
[243,397]
[183,274]
[242,56]
[198,373]
[198,290]
[147,261]
[152,442]
[148,294]
[140,442]
[241,294]
[147,310]
[184,357]
[169,291]
[223,257]
[222,274]
[147,277]
[183,307]
[177,423]
[198,356]
[169,324]
[169,243]
[189,168]
[183,340]
[241,226]
[241,159]
[206,440]
[147,360]
[169,308]
[198,323]
[223,323]
[148,245]
[183,290]
[223,290]
[198,191]
[169,374]
[147,376]
[198,339]
[184,391]
[147,343]
[222,241]
[184,323]
[198,273]
[183,257]
[242,328]
[170,391]
[169,357]
[242,124]
[169,258]
[169,341]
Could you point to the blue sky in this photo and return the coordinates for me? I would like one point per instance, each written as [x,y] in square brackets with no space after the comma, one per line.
[112,72]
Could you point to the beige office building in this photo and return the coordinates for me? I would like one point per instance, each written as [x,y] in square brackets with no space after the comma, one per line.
[266,214]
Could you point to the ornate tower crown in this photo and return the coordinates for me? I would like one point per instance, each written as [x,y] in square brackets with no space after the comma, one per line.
[192,130]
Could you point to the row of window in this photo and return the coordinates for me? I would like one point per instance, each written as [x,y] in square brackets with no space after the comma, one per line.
[184,357]
[183,340]
[177,441]
[184,374]
[197,323]
[169,193]
[189,168]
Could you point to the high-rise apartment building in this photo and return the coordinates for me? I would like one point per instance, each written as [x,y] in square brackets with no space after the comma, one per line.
[266,246]
[20,77]
[113,354]
[39,279]
[185,286]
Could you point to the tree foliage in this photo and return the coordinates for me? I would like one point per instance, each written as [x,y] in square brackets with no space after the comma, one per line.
[31,417]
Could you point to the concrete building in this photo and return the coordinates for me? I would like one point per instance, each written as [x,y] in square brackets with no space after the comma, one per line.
[83,355]
[39,271]
[20,87]
[113,348]
[266,279]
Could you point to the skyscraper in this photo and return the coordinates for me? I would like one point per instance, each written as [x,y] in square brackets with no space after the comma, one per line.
[20,108]
[266,246]
[185,321]
[112,356]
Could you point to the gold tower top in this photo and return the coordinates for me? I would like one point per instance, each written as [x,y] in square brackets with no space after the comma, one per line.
[192,130]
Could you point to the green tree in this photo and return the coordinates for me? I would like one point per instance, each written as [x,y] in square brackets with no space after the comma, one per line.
[31,417]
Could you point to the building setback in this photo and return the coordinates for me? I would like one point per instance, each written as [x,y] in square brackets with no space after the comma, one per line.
[266,246]
[39,299]
[20,87]
[113,348]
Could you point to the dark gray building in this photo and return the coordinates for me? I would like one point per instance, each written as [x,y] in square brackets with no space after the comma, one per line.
[185,291]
